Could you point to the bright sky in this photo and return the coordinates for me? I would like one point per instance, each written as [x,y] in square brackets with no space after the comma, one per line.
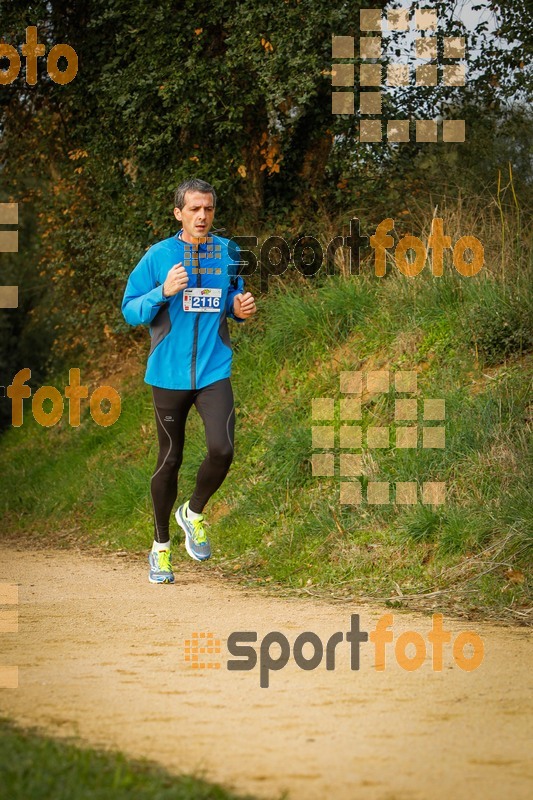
[461,10]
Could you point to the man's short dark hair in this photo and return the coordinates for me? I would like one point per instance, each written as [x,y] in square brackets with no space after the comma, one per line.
[192,185]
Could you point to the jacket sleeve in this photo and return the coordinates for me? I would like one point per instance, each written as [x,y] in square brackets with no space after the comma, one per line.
[143,297]
[236,287]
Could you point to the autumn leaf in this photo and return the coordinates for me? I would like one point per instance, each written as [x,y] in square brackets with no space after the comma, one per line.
[74,155]
[515,575]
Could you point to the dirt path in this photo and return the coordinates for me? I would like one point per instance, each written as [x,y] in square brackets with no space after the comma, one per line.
[101,657]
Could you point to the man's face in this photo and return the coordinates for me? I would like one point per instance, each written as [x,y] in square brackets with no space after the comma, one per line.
[196,216]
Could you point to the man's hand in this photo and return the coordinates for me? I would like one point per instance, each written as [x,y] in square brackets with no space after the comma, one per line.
[176,280]
[244,305]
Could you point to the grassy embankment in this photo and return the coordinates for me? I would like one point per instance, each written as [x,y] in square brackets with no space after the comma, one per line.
[274,522]
[36,767]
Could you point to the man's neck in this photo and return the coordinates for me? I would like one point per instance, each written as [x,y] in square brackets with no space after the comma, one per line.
[192,239]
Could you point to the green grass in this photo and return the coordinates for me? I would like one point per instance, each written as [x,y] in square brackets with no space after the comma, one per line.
[278,523]
[40,768]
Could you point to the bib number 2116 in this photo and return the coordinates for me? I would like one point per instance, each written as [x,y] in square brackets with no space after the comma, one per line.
[203,300]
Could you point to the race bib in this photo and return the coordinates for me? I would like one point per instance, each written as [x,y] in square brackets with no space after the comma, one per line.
[199,299]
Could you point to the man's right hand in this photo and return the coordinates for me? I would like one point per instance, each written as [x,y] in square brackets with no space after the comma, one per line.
[176,280]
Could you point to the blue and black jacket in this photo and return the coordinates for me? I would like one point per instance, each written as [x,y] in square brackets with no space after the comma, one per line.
[190,349]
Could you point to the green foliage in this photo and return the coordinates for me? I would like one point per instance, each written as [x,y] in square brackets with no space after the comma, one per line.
[423,523]
[297,318]
[501,323]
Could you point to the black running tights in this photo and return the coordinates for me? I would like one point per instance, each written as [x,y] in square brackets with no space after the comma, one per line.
[215,405]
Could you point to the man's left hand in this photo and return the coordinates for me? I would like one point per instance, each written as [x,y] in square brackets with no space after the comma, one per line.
[244,305]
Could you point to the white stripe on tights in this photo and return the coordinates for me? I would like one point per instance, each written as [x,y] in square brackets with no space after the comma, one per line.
[162,465]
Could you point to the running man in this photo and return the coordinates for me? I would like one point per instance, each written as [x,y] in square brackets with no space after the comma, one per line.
[185,287]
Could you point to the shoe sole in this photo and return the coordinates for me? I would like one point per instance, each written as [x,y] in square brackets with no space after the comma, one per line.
[185,531]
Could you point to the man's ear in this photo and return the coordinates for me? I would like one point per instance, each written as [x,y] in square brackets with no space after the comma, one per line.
[177,214]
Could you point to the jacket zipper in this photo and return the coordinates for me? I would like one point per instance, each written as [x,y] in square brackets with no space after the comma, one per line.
[195,339]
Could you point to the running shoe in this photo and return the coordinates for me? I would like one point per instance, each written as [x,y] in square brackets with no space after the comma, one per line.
[160,567]
[196,540]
